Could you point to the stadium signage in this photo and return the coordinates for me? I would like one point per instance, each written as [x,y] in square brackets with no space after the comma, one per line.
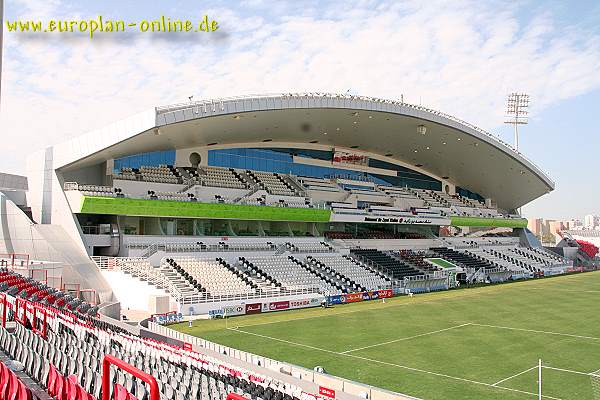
[234,310]
[354,297]
[167,318]
[276,306]
[284,305]
[337,299]
[300,303]
[399,220]
[215,313]
[344,157]
[327,392]
[361,296]
[254,308]
[370,295]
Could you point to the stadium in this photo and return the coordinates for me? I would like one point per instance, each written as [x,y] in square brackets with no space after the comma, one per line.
[290,246]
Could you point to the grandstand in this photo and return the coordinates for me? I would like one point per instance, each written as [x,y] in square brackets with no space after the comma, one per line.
[182,209]
[261,204]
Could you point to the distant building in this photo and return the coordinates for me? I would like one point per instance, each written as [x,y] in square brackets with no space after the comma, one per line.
[535,225]
[574,224]
[591,221]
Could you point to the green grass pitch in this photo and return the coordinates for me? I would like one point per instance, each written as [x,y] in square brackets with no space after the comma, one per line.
[440,262]
[479,343]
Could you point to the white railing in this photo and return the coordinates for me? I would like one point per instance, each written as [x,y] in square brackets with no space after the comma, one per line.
[203,105]
[102,262]
[202,298]
[195,247]
[190,183]
[426,277]
[71,186]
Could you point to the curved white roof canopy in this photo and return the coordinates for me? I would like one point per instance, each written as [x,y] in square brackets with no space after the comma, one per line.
[470,157]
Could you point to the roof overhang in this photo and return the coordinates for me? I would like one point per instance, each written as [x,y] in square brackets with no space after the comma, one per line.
[450,148]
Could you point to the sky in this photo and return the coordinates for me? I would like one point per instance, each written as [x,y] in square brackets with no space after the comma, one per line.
[461,57]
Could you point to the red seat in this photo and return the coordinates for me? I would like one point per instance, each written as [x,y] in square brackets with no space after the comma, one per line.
[4,381]
[120,393]
[59,387]
[13,387]
[51,384]
[88,396]
[24,392]
[71,388]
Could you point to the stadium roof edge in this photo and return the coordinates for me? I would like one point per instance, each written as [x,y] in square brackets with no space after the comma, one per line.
[351,102]
[132,134]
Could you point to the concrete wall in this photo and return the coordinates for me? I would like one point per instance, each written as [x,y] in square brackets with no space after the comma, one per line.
[131,292]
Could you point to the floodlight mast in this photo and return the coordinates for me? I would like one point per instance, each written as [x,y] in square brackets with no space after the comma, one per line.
[517,105]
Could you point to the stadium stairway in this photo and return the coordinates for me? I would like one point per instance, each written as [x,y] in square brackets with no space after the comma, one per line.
[353,269]
[416,260]
[328,281]
[290,273]
[462,259]
[338,279]
[296,186]
[178,275]
[499,258]
[537,256]
[388,264]
[213,278]
[263,281]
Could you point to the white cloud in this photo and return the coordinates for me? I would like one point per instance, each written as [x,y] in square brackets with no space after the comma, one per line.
[462,58]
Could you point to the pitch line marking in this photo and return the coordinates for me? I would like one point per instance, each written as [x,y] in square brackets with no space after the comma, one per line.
[568,370]
[405,338]
[237,329]
[535,331]
[391,364]
[514,376]
[565,290]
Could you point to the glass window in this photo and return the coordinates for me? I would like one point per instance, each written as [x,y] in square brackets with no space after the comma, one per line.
[152,159]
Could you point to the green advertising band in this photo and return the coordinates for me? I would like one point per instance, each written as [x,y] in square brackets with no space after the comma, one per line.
[181,209]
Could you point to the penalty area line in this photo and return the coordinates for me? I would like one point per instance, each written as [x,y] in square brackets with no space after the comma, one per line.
[390,364]
[570,371]
[405,338]
[514,376]
[535,331]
